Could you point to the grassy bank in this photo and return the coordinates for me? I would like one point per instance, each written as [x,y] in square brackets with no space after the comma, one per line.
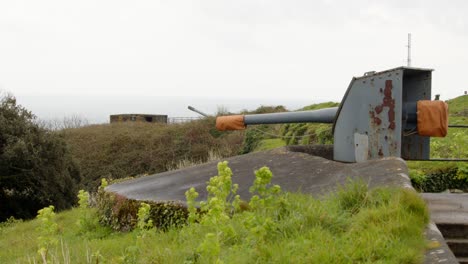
[354,225]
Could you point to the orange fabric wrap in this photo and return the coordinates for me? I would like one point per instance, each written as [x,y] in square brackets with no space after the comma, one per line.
[233,122]
[432,118]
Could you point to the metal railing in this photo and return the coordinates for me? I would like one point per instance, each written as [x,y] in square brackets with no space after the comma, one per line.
[178,120]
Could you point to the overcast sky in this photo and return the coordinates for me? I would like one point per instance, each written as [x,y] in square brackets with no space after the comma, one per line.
[280,50]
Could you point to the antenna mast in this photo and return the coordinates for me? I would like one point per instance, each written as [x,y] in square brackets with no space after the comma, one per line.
[409,50]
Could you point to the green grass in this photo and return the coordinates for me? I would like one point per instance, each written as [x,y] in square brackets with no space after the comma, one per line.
[458,110]
[458,104]
[320,106]
[272,143]
[309,133]
[356,225]
[454,145]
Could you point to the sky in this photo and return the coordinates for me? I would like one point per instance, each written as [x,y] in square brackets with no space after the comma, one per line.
[98,57]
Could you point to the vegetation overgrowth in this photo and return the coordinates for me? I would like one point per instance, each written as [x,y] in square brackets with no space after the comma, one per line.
[40,166]
[122,150]
[439,176]
[309,133]
[458,110]
[263,137]
[355,224]
[271,143]
[36,167]
[254,135]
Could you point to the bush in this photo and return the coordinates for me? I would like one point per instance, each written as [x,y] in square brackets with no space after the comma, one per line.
[252,138]
[36,169]
[122,214]
[440,178]
[122,150]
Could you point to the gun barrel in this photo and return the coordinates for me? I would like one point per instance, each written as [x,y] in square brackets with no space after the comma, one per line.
[191,108]
[326,115]
[237,122]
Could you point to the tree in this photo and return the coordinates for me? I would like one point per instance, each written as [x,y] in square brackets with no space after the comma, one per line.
[36,168]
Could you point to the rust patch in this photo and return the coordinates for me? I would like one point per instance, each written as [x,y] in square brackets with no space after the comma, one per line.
[380,152]
[389,102]
[378,109]
[375,118]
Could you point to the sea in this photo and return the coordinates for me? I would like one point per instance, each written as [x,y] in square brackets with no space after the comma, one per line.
[97,109]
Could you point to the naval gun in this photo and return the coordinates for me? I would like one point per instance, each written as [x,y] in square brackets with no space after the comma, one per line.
[382,114]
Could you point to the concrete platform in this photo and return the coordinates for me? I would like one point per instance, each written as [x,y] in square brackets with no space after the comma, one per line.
[448,208]
[438,251]
[294,169]
[449,211]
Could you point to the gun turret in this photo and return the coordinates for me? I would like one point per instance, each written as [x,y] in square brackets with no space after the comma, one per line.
[382,114]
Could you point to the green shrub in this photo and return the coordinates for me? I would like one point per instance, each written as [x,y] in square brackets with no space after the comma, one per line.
[88,223]
[418,177]
[253,137]
[47,230]
[462,173]
[36,168]
[440,178]
[143,215]
[120,213]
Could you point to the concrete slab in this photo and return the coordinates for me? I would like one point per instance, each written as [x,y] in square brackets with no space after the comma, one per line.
[449,211]
[438,251]
[294,169]
[448,208]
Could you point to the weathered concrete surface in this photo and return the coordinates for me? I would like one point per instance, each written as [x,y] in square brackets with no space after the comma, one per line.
[438,251]
[448,208]
[449,211]
[292,170]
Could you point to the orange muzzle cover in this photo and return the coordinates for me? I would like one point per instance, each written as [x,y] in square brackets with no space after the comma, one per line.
[233,122]
[432,118]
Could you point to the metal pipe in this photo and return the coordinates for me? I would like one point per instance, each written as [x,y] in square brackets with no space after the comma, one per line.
[326,115]
[191,108]
[459,126]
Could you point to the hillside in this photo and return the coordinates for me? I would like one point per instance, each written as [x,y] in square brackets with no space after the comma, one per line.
[458,109]
[263,137]
[121,150]
[455,144]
